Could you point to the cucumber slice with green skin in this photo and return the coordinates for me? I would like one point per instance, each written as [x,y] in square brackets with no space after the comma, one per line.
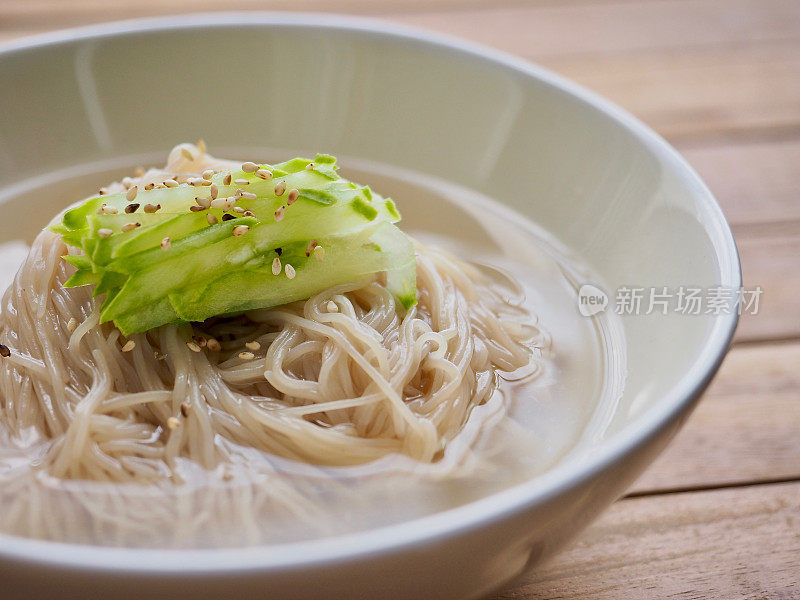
[207,271]
[350,258]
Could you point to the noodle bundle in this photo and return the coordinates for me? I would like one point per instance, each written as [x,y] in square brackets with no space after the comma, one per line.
[343,378]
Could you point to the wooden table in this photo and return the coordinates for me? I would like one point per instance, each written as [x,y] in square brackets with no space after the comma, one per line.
[718,515]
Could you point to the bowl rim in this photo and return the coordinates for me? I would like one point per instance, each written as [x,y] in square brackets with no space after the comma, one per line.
[473,515]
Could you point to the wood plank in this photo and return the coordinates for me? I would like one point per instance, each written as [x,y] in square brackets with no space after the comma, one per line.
[771,258]
[746,428]
[739,543]
[562,30]
[754,180]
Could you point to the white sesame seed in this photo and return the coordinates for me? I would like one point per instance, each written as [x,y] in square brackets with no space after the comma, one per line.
[227,179]
[249,196]
[238,209]
[196,181]
[108,210]
[240,230]
[280,188]
[129,345]
[249,167]
[193,347]
[241,181]
[253,345]
[319,252]
[213,190]
[127,182]
[280,213]
[276,266]
[173,423]
[246,355]
[130,226]
[238,193]
[132,193]
[151,208]
[204,202]
[187,154]
[310,247]
[290,272]
[212,220]
[72,324]
[264,174]
[213,345]
[208,173]
[310,166]
[201,145]
[170,183]
[166,243]
[219,202]
[149,186]
[331,306]
[104,233]
[292,196]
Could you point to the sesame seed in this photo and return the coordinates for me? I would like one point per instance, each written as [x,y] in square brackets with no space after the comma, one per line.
[264,174]
[72,324]
[332,306]
[193,347]
[108,210]
[253,345]
[280,188]
[132,193]
[129,345]
[212,220]
[132,208]
[187,154]
[241,181]
[213,345]
[199,340]
[104,233]
[309,166]
[208,173]
[201,145]
[238,193]
[276,266]
[161,186]
[185,409]
[195,181]
[197,208]
[166,243]
[246,355]
[173,423]
[127,182]
[204,202]
[228,217]
[249,195]
[290,272]
[280,213]
[292,196]
[240,230]
[238,209]
[227,179]
[151,208]
[249,213]
[213,190]
[219,202]
[4,351]
[170,183]
[149,186]
[249,167]
[319,252]
[310,247]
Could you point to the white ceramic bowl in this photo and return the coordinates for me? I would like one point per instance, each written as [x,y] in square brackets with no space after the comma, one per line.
[596,178]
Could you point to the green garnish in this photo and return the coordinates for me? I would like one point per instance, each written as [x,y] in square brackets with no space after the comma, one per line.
[179,263]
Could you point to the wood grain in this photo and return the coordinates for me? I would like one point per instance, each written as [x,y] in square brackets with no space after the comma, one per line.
[729,544]
[746,428]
